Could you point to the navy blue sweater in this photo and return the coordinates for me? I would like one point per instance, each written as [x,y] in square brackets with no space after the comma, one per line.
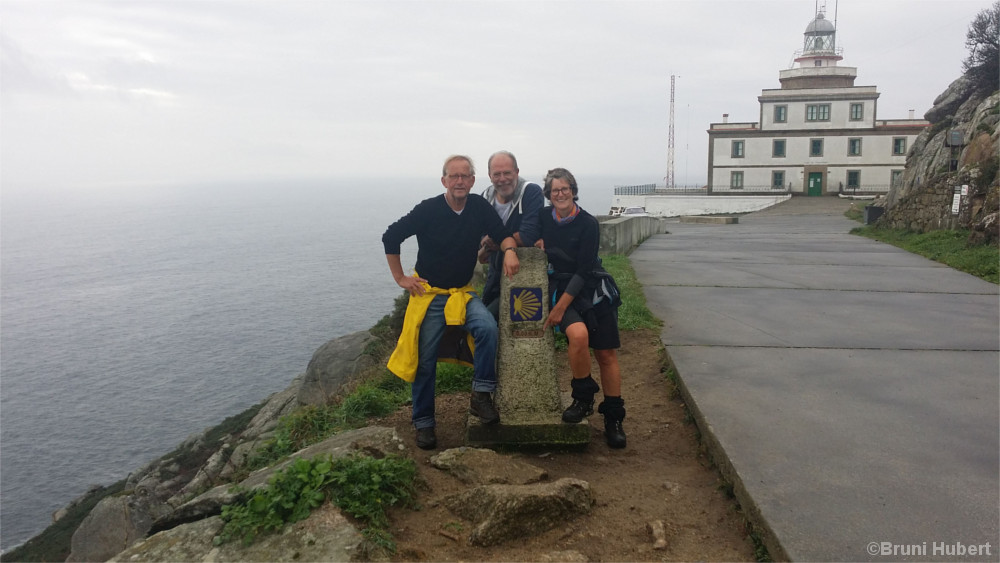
[572,248]
[448,242]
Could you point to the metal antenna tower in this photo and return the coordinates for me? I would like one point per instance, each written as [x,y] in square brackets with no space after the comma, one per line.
[669,180]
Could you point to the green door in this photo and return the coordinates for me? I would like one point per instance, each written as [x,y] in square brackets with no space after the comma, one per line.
[815,183]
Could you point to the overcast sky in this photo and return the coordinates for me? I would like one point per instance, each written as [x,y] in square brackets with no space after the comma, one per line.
[173,91]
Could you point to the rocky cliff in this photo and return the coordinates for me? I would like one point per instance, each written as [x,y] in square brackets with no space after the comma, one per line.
[958,149]
[170,509]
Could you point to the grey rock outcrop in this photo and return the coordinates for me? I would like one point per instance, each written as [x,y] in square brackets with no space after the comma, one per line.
[114,524]
[335,363]
[947,103]
[375,441]
[923,201]
[277,405]
[167,493]
[479,466]
[325,536]
[507,512]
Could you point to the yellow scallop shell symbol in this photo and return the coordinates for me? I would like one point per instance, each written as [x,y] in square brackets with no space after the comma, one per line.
[526,305]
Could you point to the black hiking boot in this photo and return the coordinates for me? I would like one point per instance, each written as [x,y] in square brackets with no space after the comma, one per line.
[613,409]
[578,411]
[481,405]
[614,433]
[584,389]
[426,440]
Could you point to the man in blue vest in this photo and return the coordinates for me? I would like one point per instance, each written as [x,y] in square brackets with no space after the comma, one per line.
[517,203]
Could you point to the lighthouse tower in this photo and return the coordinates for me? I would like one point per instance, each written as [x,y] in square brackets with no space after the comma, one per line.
[816,65]
[818,134]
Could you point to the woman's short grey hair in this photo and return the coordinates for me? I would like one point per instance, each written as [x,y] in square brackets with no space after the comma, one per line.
[454,157]
[560,174]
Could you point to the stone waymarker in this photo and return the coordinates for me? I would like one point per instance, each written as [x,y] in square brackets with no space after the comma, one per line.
[527,395]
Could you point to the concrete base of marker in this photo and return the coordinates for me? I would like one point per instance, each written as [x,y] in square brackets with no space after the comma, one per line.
[549,433]
[527,396]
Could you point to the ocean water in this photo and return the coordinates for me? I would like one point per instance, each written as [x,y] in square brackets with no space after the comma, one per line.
[131,318]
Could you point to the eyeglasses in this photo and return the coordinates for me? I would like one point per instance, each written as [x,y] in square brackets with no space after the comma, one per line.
[558,191]
[456,177]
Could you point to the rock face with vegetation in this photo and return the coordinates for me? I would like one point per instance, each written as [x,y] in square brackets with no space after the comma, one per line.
[191,483]
[923,202]
[968,111]
[175,508]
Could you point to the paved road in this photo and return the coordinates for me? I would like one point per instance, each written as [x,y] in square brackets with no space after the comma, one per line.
[849,389]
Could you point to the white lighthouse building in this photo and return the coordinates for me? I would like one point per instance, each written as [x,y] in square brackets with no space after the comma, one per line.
[817,134]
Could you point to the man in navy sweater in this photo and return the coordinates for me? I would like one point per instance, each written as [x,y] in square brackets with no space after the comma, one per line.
[449,228]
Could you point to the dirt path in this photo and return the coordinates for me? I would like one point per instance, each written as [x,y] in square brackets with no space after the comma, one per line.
[661,475]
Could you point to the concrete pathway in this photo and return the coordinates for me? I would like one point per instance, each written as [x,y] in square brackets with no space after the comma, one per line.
[850,390]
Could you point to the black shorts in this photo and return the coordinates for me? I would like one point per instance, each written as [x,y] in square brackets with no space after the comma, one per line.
[603,336]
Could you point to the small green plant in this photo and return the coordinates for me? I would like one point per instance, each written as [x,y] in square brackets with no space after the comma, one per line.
[369,400]
[362,486]
[365,487]
[452,378]
[561,342]
[673,382]
[296,430]
[760,552]
[310,424]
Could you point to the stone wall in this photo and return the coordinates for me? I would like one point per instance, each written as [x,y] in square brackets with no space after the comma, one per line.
[927,209]
[622,234]
[677,205]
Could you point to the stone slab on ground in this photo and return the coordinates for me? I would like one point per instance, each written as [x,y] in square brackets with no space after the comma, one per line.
[839,445]
[847,388]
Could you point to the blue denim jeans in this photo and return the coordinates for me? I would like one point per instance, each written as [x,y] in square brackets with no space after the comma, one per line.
[483,328]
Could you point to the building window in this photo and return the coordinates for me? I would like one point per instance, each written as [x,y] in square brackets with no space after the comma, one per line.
[815,147]
[736,180]
[780,114]
[778,179]
[857,112]
[897,178]
[778,148]
[737,149]
[853,179]
[898,146]
[854,146]
[818,112]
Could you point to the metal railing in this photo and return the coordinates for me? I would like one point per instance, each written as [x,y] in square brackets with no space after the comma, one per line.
[658,189]
[864,189]
[752,189]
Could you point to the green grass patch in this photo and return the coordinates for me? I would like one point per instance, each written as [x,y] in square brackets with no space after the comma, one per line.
[633,313]
[856,212]
[452,378]
[310,424]
[947,247]
[361,486]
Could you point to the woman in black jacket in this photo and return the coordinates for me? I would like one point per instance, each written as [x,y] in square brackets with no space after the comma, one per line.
[585,303]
